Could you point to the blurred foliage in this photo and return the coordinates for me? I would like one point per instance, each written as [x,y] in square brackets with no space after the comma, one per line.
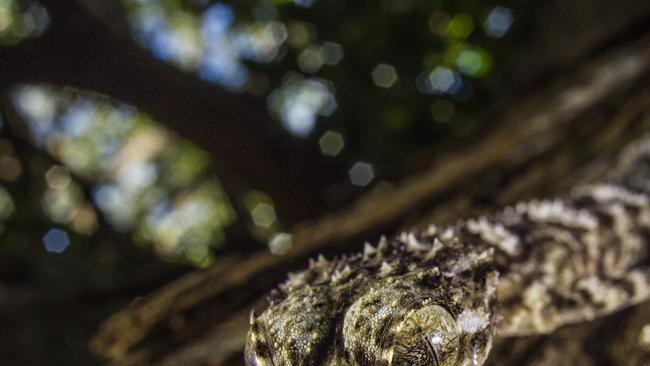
[20,20]
[142,177]
[374,84]
[391,61]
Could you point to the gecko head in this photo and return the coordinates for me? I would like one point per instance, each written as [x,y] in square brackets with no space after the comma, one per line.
[398,324]
[432,315]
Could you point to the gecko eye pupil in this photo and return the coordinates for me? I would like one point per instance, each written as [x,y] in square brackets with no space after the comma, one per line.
[427,337]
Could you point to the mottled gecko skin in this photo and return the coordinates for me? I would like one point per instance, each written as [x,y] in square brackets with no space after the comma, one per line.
[438,297]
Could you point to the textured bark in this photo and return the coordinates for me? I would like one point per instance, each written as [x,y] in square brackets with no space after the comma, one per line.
[543,143]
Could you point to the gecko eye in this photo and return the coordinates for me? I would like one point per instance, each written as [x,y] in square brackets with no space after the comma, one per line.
[427,337]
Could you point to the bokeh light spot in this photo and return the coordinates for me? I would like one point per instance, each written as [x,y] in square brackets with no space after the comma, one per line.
[423,83]
[37,106]
[57,177]
[469,62]
[331,143]
[438,22]
[299,119]
[263,215]
[498,22]
[224,71]
[384,75]
[217,20]
[300,33]
[85,220]
[10,168]
[310,59]
[280,243]
[361,174]
[137,174]
[20,20]
[460,26]
[304,3]
[442,110]
[261,42]
[443,80]
[56,241]
[6,204]
[331,53]
[214,42]
[298,103]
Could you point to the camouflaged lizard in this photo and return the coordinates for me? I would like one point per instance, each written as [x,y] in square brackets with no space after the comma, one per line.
[440,296]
